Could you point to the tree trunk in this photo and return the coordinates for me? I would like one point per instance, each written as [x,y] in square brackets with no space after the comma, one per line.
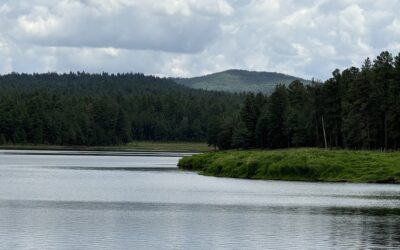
[386,131]
[323,129]
[317,132]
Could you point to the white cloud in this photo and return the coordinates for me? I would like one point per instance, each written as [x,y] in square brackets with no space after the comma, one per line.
[5,57]
[169,25]
[4,9]
[191,37]
[39,22]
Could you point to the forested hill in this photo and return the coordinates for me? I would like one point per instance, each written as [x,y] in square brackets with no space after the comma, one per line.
[103,109]
[239,81]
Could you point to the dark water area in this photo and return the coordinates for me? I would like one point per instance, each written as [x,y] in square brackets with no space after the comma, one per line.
[75,200]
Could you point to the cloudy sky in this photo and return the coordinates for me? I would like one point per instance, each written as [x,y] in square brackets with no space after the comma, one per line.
[307,38]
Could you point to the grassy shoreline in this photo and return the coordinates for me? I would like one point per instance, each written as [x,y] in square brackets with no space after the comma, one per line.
[132,146]
[299,165]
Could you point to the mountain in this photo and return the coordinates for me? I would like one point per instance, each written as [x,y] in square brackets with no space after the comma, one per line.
[239,81]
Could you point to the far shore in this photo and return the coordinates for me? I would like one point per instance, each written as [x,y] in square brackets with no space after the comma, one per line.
[194,147]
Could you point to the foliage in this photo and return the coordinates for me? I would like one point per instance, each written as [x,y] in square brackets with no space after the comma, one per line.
[103,109]
[355,109]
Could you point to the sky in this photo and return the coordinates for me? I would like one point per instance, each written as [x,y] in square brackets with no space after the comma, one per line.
[185,38]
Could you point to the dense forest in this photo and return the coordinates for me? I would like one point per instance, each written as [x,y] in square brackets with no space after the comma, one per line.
[355,109]
[105,109]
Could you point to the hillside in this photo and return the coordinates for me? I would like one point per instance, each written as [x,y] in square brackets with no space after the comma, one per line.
[104,109]
[239,81]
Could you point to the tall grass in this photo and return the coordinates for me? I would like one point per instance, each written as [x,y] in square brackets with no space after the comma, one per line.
[299,164]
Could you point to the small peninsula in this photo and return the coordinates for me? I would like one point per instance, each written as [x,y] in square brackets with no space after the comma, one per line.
[317,165]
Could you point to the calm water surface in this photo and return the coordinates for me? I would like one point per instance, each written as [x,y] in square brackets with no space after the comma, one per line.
[70,200]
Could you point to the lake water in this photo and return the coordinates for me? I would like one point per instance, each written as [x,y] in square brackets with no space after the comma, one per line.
[85,200]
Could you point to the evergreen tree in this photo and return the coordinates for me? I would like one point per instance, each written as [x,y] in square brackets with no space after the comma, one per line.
[262,130]
[249,115]
[2,139]
[225,135]
[394,105]
[358,110]
[241,137]
[213,130]
[383,69]
[333,109]
[314,109]
[278,110]
[296,117]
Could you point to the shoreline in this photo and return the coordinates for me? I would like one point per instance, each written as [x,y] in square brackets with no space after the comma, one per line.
[307,164]
[142,146]
[95,153]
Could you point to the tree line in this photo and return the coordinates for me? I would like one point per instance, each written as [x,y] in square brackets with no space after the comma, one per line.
[358,108]
[104,109]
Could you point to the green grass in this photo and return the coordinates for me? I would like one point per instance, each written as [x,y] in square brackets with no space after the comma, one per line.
[299,165]
[132,146]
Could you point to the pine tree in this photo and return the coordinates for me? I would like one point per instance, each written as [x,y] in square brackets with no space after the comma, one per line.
[394,105]
[296,116]
[358,110]
[383,75]
[333,94]
[262,130]
[213,130]
[249,115]
[2,139]
[278,110]
[314,112]
[225,135]
[241,137]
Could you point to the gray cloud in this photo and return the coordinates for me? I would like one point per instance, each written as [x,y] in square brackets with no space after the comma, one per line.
[182,28]
[187,37]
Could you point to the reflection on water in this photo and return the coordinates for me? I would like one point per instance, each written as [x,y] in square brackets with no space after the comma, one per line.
[66,202]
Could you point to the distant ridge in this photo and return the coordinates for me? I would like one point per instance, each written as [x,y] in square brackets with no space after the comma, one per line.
[235,80]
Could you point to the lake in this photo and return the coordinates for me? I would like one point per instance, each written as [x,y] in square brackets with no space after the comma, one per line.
[117,200]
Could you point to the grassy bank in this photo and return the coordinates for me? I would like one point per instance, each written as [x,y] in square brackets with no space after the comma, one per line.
[299,165]
[133,146]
